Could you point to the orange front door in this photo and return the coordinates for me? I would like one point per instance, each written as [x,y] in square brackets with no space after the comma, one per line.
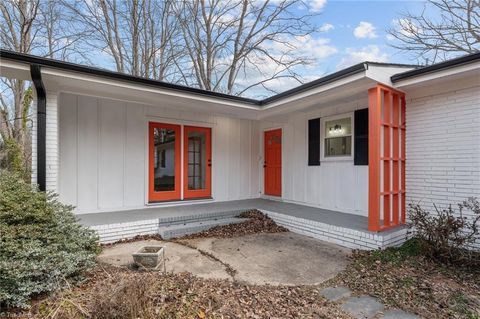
[164,162]
[197,161]
[273,162]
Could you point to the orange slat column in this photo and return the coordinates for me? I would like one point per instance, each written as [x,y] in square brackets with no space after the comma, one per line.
[374,140]
[386,156]
[403,161]
[386,162]
[396,159]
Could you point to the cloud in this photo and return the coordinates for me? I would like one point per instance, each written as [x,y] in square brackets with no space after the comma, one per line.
[364,30]
[326,27]
[313,49]
[308,46]
[316,48]
[357,55]
[390,37]
[316,5]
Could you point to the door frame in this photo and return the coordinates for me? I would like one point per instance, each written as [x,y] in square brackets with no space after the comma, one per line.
[203,193]
[167,195]
[273,128]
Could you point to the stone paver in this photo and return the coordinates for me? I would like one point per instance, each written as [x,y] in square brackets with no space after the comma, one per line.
[336,293]
[398,314]
[363,307]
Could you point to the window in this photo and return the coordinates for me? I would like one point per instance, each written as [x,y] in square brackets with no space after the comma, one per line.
[338,137]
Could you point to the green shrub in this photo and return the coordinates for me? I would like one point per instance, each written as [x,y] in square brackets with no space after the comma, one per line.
[447,235]
[41,244]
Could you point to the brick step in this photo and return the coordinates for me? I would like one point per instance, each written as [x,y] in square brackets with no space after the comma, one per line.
[181,220]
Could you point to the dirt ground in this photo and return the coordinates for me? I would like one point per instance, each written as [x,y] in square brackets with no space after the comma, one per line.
[277,258]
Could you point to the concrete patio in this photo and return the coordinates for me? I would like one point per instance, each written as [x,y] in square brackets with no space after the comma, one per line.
[277,258]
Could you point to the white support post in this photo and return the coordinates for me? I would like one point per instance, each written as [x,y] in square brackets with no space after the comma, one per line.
[52,139]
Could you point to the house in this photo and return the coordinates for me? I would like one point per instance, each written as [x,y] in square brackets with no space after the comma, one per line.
[339,158]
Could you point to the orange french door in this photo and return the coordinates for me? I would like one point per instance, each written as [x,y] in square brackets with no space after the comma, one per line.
[197,162]
[273,162]
[164,162]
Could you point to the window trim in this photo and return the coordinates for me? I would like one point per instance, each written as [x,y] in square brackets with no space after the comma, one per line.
[325,119]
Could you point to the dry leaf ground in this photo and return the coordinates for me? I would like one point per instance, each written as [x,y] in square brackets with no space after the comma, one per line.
[403,278]
[257,222]
[400,278]
[120,293]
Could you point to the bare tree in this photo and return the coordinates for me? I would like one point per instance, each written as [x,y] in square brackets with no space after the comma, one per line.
[16,34]
[229,40]
[28,26]
[136,34]
[456,30]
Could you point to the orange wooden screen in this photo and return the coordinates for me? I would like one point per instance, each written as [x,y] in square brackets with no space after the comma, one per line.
[386,133]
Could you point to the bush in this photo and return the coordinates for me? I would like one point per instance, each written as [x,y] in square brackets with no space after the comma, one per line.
[41,243]
[446,235]
[14,159]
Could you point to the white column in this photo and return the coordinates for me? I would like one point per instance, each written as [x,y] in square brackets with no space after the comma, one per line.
[33,124]
[53,160]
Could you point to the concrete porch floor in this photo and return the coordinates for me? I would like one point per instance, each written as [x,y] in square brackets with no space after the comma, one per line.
[330,217]
[347,230]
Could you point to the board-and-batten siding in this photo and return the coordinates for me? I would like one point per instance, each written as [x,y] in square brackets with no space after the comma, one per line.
[443,146]
[335,185]
[103,147]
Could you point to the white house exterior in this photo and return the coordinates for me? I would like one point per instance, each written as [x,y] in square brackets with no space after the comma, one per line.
[104,133]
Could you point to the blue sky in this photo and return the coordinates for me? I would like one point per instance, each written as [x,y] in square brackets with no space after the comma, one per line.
[358,29]
[351,32]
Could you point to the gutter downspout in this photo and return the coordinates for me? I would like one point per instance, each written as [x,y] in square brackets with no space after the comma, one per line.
[36,74]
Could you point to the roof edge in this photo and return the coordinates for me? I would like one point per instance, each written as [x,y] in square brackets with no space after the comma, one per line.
[466,59]
[354,69]
[57,64]
[68,66]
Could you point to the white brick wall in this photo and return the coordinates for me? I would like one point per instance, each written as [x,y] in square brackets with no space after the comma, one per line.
[34,142]
[346,237]
[443,147]
[52,142]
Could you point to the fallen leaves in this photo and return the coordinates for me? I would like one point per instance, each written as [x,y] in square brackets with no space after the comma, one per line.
[257,222]
[414,283]
[129,294]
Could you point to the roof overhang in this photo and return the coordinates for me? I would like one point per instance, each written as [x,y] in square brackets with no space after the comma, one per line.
[72,78]
[452,70]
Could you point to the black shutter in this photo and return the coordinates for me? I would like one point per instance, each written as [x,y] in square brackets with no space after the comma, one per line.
[314,142]
[361,137]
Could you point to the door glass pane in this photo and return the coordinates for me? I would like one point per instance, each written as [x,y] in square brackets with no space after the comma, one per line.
[164,159]
[197,160]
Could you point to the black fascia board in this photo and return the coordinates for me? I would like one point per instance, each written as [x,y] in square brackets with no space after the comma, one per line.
[31,59]
[466,59]
[357,68]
